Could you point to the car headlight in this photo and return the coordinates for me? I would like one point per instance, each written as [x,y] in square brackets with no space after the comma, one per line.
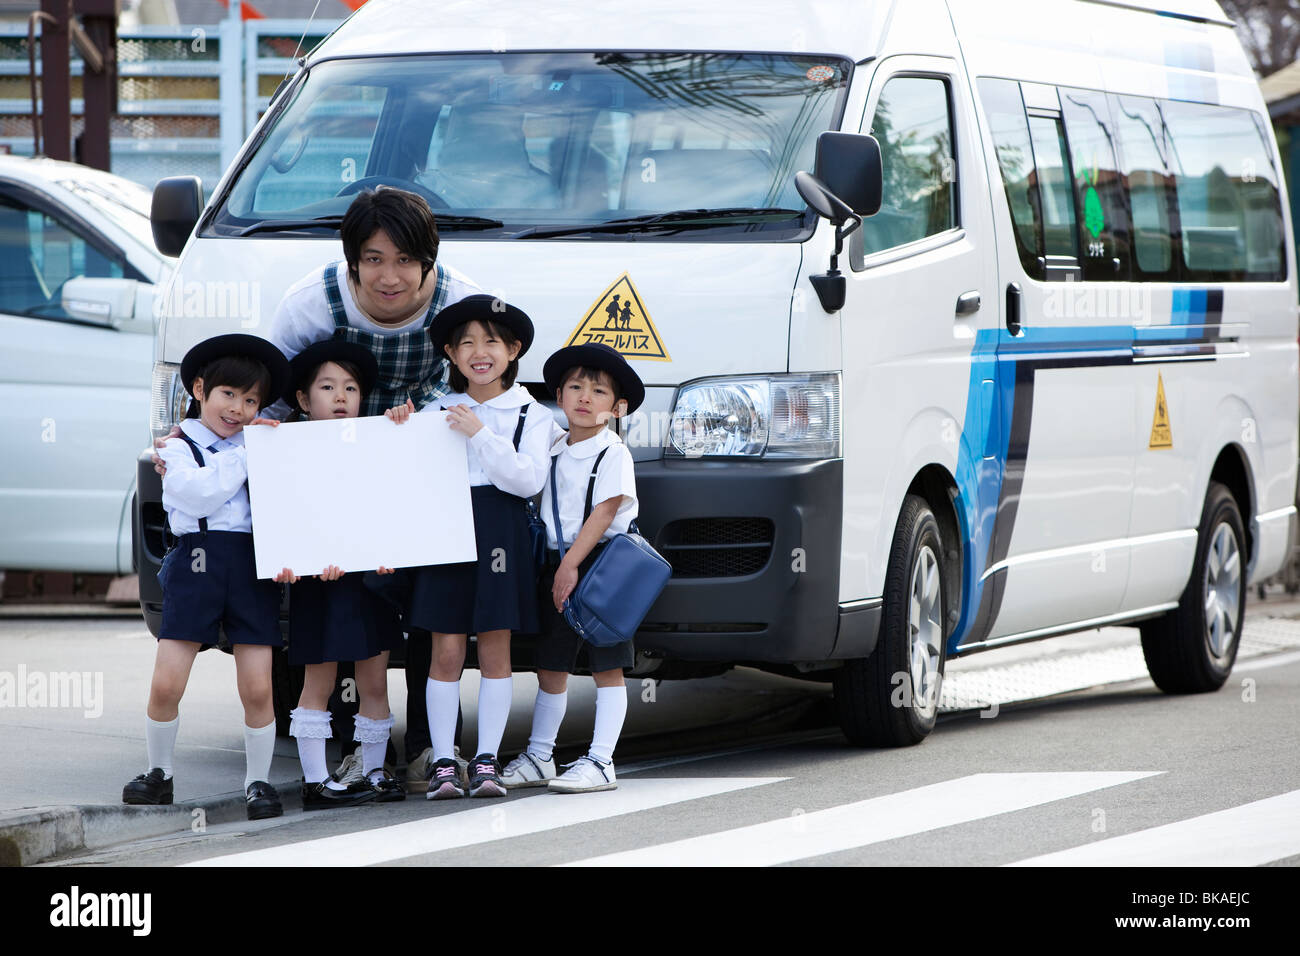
[168,398]
[776,416]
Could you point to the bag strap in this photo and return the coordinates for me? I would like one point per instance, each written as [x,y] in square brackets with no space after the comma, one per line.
[591,484]
[198,457]
[519,429]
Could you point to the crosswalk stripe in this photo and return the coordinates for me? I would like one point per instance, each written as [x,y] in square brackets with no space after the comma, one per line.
[1248,835]
[499,820]
[895,815]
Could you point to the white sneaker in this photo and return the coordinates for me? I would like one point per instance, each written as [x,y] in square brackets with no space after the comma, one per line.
[585,775]
[350,770]
[527,770]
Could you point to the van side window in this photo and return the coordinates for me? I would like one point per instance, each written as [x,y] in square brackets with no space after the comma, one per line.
[1009,128]
[1098,186]
[38,254]
[1144,151]
[913,125]
[1228,201]
[1056,195]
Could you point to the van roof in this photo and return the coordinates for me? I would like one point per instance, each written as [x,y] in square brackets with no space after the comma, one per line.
[852,29]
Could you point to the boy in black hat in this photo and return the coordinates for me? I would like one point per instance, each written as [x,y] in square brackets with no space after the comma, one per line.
[209,577]
[595,486]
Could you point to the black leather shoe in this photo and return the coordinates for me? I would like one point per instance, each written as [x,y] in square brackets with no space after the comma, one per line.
[148,789]
[263,801]
[317,796]
[387,788]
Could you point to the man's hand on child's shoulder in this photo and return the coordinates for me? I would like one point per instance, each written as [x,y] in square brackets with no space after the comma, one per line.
[400,413]
[159,465]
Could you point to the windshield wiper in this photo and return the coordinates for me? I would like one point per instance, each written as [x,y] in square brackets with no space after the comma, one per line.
[677,219]
[333,222]
[291,225]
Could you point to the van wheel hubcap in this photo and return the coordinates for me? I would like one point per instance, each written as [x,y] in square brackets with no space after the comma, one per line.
[925,632]
[1223,584]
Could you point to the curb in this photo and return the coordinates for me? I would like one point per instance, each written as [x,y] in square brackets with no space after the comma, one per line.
[32,835]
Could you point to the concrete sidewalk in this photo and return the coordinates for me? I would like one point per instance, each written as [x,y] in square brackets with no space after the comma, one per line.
[70,757]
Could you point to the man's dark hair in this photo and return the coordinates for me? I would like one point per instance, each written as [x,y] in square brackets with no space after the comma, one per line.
[235,371]
[456,377]
[403,216]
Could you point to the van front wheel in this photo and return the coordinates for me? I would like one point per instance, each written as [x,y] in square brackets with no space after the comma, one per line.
[891,699]
[1192,648]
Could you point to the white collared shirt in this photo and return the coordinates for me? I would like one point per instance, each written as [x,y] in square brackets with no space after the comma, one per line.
[617,476]
[217,491]
[491,452]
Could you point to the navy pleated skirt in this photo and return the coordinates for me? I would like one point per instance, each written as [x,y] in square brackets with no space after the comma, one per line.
[339,620]
[498,592]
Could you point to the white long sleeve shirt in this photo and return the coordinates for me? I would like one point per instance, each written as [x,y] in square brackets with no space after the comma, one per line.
[491,452]
[616,477]
[217,491]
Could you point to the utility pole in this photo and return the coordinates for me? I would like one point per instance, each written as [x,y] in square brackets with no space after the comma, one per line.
[97,44]
[56,85]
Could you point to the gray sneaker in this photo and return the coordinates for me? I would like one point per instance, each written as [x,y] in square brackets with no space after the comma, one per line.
[528,770]
[350,770]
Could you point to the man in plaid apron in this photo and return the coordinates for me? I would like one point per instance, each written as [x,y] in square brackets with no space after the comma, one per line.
[382,295]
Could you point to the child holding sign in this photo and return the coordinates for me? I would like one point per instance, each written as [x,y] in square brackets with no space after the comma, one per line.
[209,578]
[508,438]
[335,617]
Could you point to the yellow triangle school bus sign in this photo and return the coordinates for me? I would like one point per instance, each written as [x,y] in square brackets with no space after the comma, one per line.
[619,319]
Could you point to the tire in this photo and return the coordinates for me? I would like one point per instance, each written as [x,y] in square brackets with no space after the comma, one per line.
[286,688]
[1188,651]
[891,699]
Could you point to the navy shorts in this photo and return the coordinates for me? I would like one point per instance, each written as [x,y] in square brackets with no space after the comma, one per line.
[558,647]
[209,583]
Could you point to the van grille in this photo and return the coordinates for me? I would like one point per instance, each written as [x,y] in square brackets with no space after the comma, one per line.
[716,547]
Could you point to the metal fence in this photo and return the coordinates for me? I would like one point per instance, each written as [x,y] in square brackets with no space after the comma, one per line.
[187,96]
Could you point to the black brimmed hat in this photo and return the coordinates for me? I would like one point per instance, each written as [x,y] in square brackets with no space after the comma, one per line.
[237,343]
[304,364]
[595,356]
[483,308]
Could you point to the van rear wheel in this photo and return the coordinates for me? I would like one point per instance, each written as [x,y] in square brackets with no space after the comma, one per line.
[891,699]
[1191,649]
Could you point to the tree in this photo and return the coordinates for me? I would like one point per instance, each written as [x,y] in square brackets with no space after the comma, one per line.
[1269,30]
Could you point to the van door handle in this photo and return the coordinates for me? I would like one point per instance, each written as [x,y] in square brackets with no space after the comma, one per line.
[1013,308]
[968,303]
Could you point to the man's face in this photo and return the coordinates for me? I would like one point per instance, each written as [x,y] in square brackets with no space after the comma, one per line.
[389,286]
[224,409]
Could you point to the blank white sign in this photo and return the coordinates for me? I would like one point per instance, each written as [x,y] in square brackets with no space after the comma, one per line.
[359,493]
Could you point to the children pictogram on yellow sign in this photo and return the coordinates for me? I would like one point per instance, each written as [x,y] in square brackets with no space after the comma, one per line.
[619,320]
[1161,435]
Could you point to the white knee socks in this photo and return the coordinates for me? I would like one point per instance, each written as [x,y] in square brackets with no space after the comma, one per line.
[442,701]
[611,708]
[548,714]
[311,728]
[160,741]
[259,747]
[373,736]
[494,696]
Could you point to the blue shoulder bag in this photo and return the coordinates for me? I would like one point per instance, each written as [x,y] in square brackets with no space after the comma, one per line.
[614,596]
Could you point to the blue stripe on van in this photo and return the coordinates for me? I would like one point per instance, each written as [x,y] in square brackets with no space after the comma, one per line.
[991,460]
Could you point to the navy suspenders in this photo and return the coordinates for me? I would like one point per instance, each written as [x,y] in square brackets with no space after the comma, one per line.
[198,456]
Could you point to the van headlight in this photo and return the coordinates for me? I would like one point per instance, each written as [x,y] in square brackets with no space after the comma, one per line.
[168,398]
[773,416]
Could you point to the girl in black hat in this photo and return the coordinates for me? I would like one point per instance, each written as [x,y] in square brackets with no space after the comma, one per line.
[209,578]
[334,617]
[508,440]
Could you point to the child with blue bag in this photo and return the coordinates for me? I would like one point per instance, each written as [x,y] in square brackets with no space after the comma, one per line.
[508,437]
[595,491]
[209,578]
[334,617]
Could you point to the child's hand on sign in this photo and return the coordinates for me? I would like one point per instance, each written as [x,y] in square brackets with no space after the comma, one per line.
[383,570]
[332,573]
[462,419]
[286,577]
[400,413]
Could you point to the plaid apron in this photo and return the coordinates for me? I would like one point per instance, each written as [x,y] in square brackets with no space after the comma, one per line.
[409,366]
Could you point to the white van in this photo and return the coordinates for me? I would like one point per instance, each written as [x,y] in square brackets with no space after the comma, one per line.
[77,272]
[1054,386]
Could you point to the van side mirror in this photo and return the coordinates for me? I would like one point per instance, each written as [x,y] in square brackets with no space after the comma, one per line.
[177,202]
[847,185]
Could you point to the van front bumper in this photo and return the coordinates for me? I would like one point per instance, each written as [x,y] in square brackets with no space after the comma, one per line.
[755,549]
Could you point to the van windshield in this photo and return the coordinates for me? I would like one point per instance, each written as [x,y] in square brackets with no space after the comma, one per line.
[520,144]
